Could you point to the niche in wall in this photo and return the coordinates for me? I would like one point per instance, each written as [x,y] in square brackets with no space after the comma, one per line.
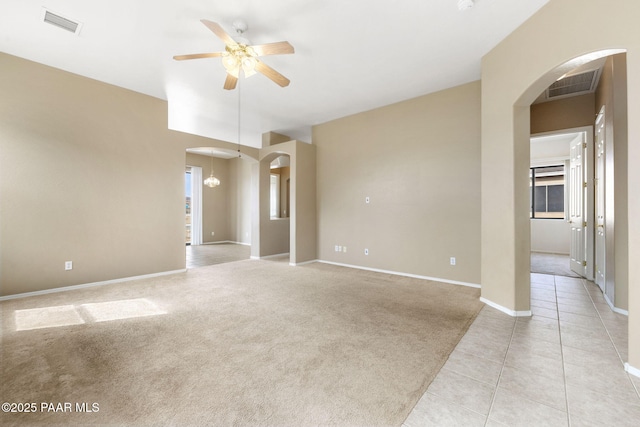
[279,190]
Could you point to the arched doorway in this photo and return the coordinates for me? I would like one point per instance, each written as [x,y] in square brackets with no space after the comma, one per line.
[218,216]
[513,74]
[300,217]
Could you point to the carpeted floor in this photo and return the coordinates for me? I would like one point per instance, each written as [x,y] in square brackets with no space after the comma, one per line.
[243,343]
[554,264]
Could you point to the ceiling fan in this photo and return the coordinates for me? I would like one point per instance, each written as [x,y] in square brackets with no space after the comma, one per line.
[240,55]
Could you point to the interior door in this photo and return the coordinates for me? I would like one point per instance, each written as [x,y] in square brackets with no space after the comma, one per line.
[577,199]
[600,247]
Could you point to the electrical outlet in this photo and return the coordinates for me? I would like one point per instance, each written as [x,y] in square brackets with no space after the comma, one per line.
[213,233]
[335,248]
[68,265]
[452,260]
[366,199]
[366,251]
[344,249]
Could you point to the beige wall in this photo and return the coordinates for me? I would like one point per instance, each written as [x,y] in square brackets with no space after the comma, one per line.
[215,201]
[273,138]
[612,94]
[240,200]
[303,203]
[564,113]
[513,74]
[89,173]
[550,236]
[419,163]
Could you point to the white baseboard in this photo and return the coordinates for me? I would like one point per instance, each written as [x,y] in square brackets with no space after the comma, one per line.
[222,242]
[631,370]
[298,264]
[274,256]
[397,273]
[614,308]
[548,252]
[510,312]
[88,285]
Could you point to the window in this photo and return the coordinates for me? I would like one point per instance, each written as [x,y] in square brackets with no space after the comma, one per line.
[546,191]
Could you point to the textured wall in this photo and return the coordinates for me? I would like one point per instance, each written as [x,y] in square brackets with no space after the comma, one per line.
[418,161]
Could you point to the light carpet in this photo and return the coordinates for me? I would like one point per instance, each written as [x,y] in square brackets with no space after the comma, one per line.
[553,264]
[244,343]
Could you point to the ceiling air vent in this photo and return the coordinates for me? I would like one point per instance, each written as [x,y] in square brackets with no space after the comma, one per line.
[61,22]
[574,85]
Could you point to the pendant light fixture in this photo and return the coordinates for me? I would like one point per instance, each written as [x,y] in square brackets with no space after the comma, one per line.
[212,181]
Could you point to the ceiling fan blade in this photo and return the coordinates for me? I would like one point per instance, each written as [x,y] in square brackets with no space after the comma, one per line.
[219,31]
[277,48]
[278,78]
[230,82]
[197,56]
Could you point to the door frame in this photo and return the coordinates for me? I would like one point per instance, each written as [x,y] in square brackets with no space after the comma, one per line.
[588,132]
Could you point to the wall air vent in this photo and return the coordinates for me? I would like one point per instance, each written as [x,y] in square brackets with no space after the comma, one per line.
[576,84]
[61,22]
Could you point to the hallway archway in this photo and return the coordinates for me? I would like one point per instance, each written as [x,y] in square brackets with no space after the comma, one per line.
[513,73]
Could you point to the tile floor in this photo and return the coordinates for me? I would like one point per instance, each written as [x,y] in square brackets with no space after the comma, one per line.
[204,255]
[564,366]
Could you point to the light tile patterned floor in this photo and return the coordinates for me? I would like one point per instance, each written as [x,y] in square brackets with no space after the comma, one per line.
[564,366]
[204,255]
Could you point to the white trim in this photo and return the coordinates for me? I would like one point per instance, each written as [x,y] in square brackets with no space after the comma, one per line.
[510,312]
[549,161]
[88,285]
[273,256]
[588,128]
[397,273]
[222,242]
[547,252]
[631,370]
[614,308]
[298,264]
[254,257]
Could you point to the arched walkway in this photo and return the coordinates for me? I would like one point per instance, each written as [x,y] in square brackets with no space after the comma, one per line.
[514,73]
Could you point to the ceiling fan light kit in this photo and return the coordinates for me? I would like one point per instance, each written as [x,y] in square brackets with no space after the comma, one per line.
[240,55]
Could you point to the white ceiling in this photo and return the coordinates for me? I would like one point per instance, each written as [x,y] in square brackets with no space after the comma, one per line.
[551,148]
[351,56]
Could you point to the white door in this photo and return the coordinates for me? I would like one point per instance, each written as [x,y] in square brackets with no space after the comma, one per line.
[577,199]
[600,247]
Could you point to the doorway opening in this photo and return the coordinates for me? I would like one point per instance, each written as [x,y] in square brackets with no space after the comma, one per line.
[595,162]
[218,217]
[551,204]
